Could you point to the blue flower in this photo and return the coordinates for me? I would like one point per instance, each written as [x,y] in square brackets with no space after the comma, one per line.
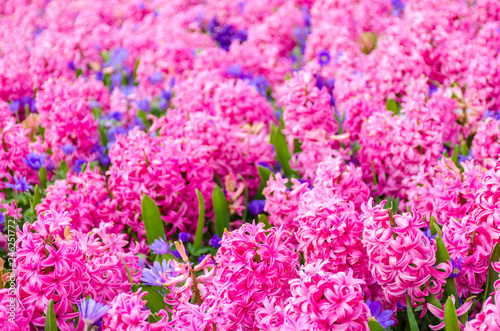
[323,58]
[35,161]
[225,34]
[157,78]
[156,274]
[78,165]
[457,268]
[143,105]
[256,206]
[160,246]
[428,234]
[127,89]
[382,317]
[432,89]
[20,184]
[71,65]
[163,104]
[184,237]
[265,165]
[166,94]
[68,149]
[14,106]
[399,7]
[92,311]
[463,158]
[215,241]
[117,57]
[116,115]
[201,258]
[261,84]
[2,221]
[235,70]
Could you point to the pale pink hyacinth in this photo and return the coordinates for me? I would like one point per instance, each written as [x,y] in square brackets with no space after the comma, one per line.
[331,301]
[343,179]
[282,203]
[401,258]
[489,318]
[21,318]
[330,231]
[254,263]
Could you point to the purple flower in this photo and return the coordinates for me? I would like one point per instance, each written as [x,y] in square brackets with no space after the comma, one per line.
[163,104]
[428,234]
[457,268]
[157,274]
[157,78]
[235,71]
[323,58]
[260,83]
[160,246]
[382,317]
[20,184]
[118,56]
[35,161]
[215,241]
[143,105]
[92,311]
[432,89]
[184,237]
[78,165]
[68,149]
[14,106]
[256,206]
[201,258]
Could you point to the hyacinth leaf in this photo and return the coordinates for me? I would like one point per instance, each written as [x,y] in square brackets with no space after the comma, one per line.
[431,226]
[221,211]
[155,301]
[297,146]
[128,272]
[247,201]
[264,220]
[454,156]
[411,315]
[264,174]
[283,154]
[63,168]
[375,326]
[392,105]
[43,177]
[142,116]
[201,221]
[465,316]
[442,256]
[50,318]
[450,317]
[465,149]
[152,219]
[492,274]
[37,198]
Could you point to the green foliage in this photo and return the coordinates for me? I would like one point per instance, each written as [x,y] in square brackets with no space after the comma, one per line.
[152,219]
[50,318]
[201,221]
[450,317]
[221,211]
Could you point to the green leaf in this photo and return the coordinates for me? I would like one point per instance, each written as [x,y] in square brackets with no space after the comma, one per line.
[63,168]
[128,272]
[263,219]
[431,225]
[411,315]
[36,198]
[442,256]
[492,274]
[201,221]
[297,146]
[155,301]
[465,316]
[152,219]
[454,156]
[43,177]
[465,149]
[221,211]
[375,176]
[450,317]
[50,318]
[142,116]
[264,174]
[283,154]
[392,105]
[374,325]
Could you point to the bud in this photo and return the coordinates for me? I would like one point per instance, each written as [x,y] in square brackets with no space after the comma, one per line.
[367,42]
